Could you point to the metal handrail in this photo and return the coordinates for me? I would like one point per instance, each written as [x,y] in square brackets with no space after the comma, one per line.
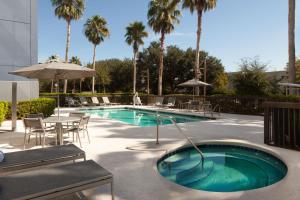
[181,131]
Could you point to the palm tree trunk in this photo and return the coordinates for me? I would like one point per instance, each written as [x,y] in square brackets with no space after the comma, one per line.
[134,71]
[148,81]
[94,67]
[67,51]
[161,63]
[292,54]
[197,68]
[52,84]
[80,85]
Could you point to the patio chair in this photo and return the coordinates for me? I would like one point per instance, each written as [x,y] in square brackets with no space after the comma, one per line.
[107,102]
[159,101]
[137,101]
[80,127]
[71,102]
[171,102]
[35,115]
[54,182]
[24,160]
[35,126]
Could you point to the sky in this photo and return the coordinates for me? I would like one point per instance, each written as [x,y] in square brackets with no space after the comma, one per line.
[236,29]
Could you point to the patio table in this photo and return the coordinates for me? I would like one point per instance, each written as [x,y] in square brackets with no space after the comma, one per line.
[59,124]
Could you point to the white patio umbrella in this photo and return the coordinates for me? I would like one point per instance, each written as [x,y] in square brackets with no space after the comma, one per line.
[193,83]
[55,71]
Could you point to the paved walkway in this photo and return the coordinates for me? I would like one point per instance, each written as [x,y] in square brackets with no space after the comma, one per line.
[135,173]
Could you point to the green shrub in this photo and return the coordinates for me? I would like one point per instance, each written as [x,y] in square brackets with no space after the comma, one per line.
[41,105]
[3,111]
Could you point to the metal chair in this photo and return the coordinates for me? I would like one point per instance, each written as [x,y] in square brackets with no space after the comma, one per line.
[35,126]
[80,127]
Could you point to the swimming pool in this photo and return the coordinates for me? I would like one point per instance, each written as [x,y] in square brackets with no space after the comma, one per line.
[226,168]
[140,117]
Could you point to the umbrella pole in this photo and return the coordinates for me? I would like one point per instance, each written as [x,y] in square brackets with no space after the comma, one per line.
[57,90]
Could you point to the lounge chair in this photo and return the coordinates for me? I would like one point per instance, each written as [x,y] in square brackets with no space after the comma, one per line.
[71,102]
[54,182]
[106,102]
[171,102]
[84,101]
[137,101]
[24,160]
[95,101]
[159,101]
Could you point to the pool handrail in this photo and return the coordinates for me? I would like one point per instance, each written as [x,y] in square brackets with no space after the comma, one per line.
[181,131]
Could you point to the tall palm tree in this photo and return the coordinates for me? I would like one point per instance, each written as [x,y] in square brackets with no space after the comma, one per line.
[162,17]
[292,54]
[75,60]
[95,30]
[135,33]
[68,10]
[200,6]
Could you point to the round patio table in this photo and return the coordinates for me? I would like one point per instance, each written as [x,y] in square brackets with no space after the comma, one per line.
[58,121]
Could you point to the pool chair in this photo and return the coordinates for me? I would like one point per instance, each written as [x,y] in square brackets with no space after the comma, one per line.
[137,101]
[55,181]
[84,101]
[171,102]
[71,102]
[159,101]
[95,101]
[107,102]
[28,159]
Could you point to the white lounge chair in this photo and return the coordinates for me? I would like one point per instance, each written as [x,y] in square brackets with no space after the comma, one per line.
[159,101]
[107,102]
[137,101]
[95,101]
[171,102]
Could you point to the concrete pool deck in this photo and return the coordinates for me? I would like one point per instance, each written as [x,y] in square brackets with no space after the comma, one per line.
[134,171]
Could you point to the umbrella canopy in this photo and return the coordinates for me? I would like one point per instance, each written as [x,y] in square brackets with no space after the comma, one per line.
[193,83]
[55,70]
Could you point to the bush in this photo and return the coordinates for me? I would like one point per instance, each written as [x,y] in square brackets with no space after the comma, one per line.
[3,111]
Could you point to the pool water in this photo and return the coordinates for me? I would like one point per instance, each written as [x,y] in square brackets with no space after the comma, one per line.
[226,168]
[141,117]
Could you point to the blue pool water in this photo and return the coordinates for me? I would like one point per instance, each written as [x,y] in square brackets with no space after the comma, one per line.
[226,168]
[141,117]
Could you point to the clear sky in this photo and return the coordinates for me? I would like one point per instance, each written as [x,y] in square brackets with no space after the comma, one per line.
[235,29]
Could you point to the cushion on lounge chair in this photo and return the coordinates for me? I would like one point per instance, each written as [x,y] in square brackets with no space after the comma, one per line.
[53,182]
[21,160]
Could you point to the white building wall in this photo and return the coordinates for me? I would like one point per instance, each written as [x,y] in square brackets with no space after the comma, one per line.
[18,46]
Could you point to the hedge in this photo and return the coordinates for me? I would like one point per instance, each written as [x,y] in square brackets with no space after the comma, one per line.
[3,111]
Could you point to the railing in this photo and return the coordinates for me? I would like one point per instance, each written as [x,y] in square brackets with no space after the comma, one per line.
[282,124]
[158,117]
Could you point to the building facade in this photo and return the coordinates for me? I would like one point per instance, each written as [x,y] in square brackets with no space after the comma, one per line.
[18,46]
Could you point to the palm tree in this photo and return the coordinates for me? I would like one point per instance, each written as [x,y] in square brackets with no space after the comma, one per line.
[162,17]
[135,33]
[68,10]
[200,6]
[292,54]
[75,60]
[95,30]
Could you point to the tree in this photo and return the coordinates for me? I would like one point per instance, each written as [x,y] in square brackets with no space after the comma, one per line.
[252,79]
[162,17]
[75,60]
[135,33]
[68,10]
[95,30]
[200,6]
[292,54]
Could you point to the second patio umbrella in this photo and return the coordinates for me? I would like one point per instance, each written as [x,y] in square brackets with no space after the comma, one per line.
[193,83]
[54,71]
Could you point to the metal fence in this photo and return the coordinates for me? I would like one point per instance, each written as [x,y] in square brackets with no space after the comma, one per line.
[282,124]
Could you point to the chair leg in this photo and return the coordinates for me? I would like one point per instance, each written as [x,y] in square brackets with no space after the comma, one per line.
[44,140]
[25,140]
[112,190]
[78,136]
[88,136]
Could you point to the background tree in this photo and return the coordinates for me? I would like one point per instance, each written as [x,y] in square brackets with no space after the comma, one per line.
[68,10]
[200,6]
[292,54]
[95,30]
[135,33]
[75,60]
[252,79]
[162,17]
